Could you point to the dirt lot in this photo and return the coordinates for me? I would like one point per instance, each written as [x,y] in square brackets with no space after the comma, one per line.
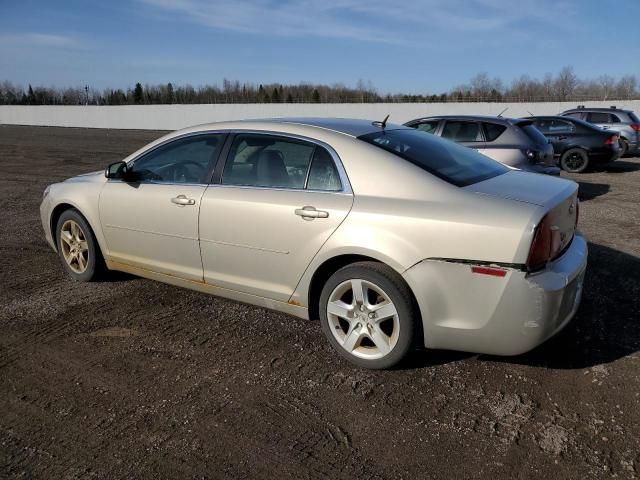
[135,379]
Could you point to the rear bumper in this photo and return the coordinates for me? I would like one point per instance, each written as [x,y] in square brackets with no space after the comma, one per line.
[605,154]
[507,315]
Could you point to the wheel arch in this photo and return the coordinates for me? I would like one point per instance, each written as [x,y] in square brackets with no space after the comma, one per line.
[332,265]
[57,212]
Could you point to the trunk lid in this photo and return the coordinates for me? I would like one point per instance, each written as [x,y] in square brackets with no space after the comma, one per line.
[558,197]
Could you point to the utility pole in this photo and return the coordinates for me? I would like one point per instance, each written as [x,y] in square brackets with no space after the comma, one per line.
[86,91]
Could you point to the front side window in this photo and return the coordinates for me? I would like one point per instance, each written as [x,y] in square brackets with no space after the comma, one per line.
[257,160]
[429,126]
[575,115]
[462,131]
[453,163]
[184,160]
[543,125]
[560,126]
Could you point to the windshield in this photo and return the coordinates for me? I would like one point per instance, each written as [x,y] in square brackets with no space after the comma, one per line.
[447,160]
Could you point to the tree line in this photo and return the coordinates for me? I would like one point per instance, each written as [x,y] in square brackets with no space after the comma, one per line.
[563,86]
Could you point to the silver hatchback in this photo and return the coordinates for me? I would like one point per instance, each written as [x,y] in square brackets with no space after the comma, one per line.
[513,142]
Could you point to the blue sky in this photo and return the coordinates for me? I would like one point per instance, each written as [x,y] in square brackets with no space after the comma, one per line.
[420,46]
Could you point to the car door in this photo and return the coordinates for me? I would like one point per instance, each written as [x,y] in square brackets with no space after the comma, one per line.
[465,132]
[151,221]
[562,134]
[278,200]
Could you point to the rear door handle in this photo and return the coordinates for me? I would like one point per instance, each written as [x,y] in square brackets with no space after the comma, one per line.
[182,200]
[309,213]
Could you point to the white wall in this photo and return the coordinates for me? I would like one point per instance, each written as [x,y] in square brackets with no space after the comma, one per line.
[172,117]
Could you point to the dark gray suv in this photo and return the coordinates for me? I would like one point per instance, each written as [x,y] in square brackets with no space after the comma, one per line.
[514,142]
[625,122]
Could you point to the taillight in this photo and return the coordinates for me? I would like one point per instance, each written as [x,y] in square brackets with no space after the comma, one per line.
[540,251]
[635,127]
[612,140]
[531,155]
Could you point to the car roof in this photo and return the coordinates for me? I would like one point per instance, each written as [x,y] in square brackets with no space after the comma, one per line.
[353,127]
[495,119]
[597,109]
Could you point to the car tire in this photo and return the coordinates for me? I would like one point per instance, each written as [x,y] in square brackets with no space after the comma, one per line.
[574,160]
[375,328]
[77,247]
[624,147]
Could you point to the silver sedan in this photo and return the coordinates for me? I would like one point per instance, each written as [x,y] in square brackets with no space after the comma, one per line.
[391,237]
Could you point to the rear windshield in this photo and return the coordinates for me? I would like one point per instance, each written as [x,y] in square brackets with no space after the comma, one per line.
[447,160]
[492,131]
[634,118]
[533,133]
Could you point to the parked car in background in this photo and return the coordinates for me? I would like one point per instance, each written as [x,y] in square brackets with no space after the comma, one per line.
[577,143]
[391,237]
[625,122]
[513,142]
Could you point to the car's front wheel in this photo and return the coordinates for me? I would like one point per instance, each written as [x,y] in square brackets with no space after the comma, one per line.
[574,160]
[77,247]
[368,314]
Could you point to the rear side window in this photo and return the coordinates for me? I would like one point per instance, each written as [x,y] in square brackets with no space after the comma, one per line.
[453,163]
[462,131]
[598,117]
[271,161]
[267,161]
[323,174]
[492,131]
[429,126]
[614,118]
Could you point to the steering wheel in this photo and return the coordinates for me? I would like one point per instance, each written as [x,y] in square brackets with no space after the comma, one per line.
[180,172]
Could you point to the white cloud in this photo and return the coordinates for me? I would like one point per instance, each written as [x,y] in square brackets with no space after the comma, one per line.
[38,39]
[367,20]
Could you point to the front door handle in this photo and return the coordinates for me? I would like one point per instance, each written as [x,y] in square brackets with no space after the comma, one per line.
[182,200]
[309,213]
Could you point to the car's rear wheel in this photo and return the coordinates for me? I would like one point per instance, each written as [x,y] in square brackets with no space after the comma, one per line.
[574,160]
[367,314]
[624,147]
[77,247]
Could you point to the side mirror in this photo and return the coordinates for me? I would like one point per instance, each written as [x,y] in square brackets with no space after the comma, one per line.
[116,171]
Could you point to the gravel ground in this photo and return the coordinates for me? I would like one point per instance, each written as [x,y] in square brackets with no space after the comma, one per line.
[134,379]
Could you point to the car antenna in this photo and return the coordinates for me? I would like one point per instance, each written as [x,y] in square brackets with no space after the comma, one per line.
[530,113]
[500,114]
[381,124]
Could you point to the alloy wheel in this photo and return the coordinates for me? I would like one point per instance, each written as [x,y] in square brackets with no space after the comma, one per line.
[574,161]
[74,245]
[363,319]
